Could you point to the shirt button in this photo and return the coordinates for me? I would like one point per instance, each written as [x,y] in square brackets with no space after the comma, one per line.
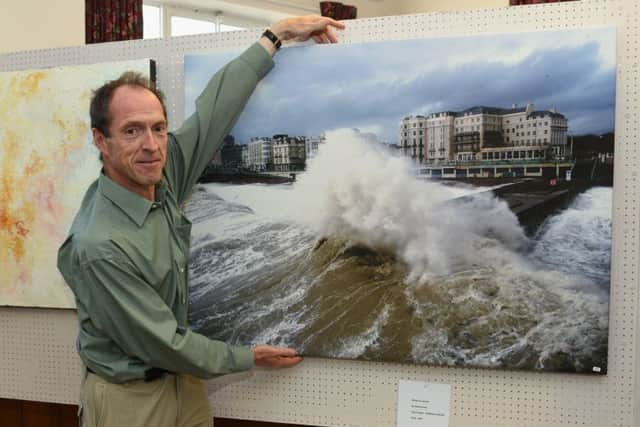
[181,269]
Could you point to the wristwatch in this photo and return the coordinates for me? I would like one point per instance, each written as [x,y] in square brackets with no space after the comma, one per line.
[273,38]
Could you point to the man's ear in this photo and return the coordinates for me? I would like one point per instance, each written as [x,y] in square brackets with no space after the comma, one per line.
[99,140]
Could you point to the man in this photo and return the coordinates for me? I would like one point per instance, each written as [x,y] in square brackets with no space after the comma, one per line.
[127,251]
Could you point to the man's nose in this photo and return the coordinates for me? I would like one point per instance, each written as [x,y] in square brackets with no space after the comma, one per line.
[149,140]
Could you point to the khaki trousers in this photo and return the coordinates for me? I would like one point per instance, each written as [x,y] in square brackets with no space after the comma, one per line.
[170,401]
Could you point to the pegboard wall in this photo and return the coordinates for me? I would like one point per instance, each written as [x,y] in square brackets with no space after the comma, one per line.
[37,351]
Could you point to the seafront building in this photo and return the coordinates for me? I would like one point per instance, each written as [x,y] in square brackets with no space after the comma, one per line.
[312,145]
[260,154]
[289,153]
[484,135]
[279,153]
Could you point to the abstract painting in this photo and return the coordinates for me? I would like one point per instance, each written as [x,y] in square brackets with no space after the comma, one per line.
[47,161]
[439,201]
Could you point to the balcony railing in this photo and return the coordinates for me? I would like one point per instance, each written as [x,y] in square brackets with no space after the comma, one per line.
[507,162]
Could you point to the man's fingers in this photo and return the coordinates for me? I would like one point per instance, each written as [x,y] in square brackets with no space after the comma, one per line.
[288,362]
[336,24]
[267,352]
[331,36]
[320,28]
[281,362]
[266,356]
[324,37]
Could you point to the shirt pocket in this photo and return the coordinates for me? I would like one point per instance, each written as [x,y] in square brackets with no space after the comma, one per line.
[183,233]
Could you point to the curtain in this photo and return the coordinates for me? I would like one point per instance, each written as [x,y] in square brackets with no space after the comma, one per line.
[519,2]
[112,20]
[337,10]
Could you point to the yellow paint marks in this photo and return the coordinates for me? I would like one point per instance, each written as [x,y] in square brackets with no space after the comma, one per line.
[36,164]
[28,85]
[74,133]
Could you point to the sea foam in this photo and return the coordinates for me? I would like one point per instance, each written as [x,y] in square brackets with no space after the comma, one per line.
[363,191]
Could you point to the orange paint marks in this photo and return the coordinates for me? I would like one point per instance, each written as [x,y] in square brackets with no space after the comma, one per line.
[4,219]
[36,165]
[25,276]
[14,218]
[21,229]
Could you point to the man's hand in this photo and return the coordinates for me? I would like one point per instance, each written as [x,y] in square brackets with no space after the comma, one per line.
[266,356]
[302,28]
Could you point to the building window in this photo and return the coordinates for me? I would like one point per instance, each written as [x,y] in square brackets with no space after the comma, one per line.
[164,20]
[152,21]
[185,26]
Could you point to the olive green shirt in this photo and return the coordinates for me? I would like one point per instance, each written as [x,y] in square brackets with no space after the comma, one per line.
[126,258]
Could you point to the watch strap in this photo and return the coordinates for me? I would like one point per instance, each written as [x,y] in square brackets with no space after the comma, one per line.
[273,38]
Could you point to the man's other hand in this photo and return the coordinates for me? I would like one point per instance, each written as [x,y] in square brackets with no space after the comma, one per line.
[266,356]
[302,28]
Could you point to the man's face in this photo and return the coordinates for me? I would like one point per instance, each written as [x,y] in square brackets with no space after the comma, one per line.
[135,152]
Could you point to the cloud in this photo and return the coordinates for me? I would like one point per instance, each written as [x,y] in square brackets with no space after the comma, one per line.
[374,85]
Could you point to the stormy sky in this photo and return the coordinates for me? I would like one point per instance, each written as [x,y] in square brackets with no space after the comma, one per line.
[372,86]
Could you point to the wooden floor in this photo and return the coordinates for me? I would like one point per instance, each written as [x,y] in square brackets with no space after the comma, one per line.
[23,413]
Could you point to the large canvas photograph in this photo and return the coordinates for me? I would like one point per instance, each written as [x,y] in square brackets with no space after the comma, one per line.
[47,161]
[443,201]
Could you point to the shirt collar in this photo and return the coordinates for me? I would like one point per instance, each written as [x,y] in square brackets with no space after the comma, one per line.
[136,207]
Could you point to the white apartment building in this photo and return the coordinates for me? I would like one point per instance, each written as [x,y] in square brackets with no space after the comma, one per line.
[485,133]
[312,145]
[260,154]
[439,134]
[536,130]
[289,153]
[244,155]
[475,129]
[412,135]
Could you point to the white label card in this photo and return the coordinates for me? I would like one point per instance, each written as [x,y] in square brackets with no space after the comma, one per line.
[422,404]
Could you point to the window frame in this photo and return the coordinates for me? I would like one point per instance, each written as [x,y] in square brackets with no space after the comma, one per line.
[219,17]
